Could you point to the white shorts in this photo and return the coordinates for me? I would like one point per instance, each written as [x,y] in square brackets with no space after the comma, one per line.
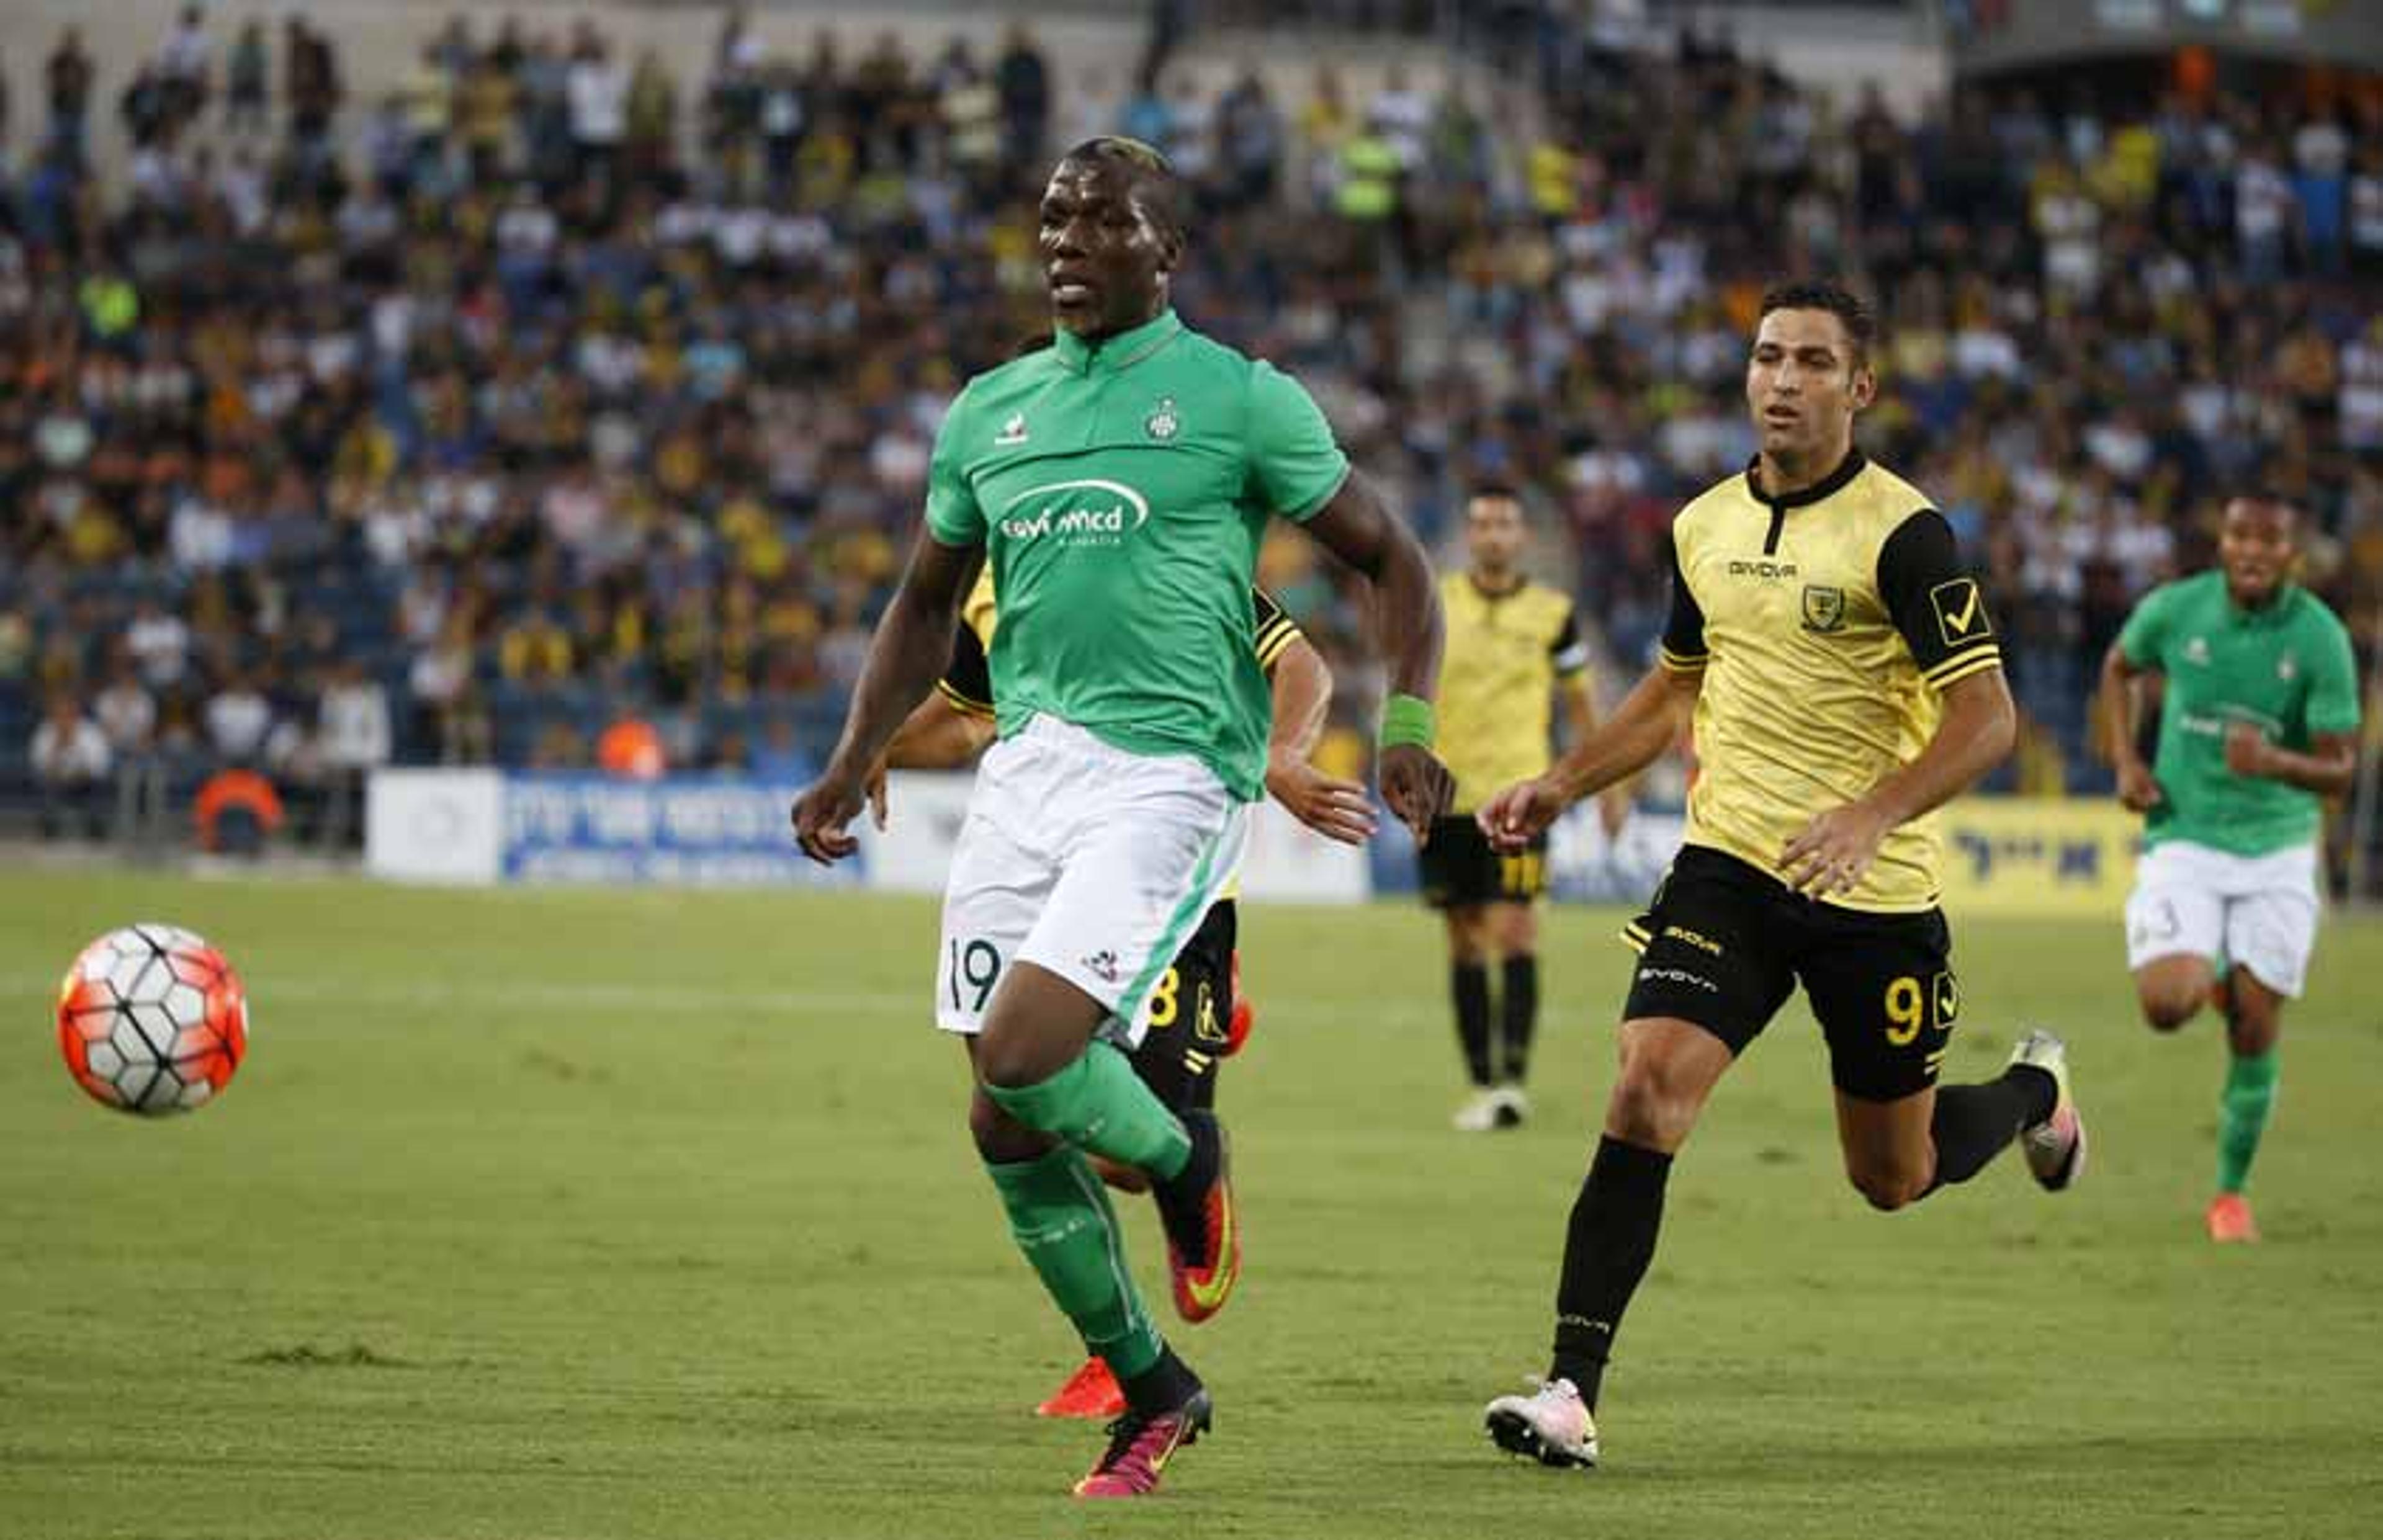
[1087,861]
[2259,912]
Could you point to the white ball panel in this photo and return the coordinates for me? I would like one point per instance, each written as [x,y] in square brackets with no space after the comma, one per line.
[165,1093]
[130,1044]
[157,1024]
[134,1083]
[105,1061]
[126,972]
[186,1005]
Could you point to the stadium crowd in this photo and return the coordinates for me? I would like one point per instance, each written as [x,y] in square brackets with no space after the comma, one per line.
[551,393]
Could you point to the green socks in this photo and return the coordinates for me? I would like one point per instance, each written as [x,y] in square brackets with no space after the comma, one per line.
[1058,1211]
[2242,1116]
[1099,1104]
[1061,1219]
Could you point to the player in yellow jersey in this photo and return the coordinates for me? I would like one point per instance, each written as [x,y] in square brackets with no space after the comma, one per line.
[1198,1016]
[1513,648]
[1846,682]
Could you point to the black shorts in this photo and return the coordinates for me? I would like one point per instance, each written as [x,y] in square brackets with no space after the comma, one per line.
[1724,944]
[1461,868]
[1190,1012]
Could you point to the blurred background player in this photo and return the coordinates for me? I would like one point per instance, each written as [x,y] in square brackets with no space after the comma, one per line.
[1198,1014]
[1118,483]
[1513,646]
[2258,723]
[1845,683]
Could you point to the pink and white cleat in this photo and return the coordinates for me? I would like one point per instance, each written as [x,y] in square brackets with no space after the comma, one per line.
[2056,1147]
[1140,1447]
[1552,1425]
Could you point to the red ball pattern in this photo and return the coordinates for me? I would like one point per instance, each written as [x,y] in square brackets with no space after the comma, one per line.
[153,1020]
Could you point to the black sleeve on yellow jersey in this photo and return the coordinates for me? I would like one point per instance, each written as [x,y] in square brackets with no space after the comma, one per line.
[1683,634]
[967,679]
[1570,649]
[1936,602]
[1276,629]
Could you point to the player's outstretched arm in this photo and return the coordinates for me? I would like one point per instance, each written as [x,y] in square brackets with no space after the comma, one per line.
[912,642]
[1580,719]
[1408,626]
[2120,698]
[1335,808]
[1641,728]
[1976,731]
[938,735]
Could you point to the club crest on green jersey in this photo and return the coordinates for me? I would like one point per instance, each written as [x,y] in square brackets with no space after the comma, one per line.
[1162,424]
[1013,431]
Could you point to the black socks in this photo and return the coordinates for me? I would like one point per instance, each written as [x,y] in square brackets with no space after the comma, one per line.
[1973,1123]
[1518,1014]
[1607,1248]
[1469,985]
[1505,1058]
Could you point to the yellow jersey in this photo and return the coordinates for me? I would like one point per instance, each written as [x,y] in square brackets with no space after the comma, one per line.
[1497,674]
[1825,623]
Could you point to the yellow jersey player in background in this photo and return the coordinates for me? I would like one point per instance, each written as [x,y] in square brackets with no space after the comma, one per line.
[1845,683]
[1515,647]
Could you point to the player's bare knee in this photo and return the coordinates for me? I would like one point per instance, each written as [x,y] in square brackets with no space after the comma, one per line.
[1000,1138]
[1650,1106]
[1013,1056]
[2172,991]
[1888,1186]
[999,1062]
[2165,1010]
[2255,1026]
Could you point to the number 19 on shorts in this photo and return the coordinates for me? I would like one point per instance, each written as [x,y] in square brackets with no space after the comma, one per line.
[973,968]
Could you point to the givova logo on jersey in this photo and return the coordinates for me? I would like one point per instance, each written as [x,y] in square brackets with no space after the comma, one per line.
[1087,513]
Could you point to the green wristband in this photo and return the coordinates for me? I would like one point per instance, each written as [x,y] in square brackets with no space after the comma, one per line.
[1405,719]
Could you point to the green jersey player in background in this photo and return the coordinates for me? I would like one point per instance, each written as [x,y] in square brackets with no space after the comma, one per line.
[1119,481]
[2258,723]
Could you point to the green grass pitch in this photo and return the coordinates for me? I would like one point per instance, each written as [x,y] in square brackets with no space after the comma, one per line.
[574,1215]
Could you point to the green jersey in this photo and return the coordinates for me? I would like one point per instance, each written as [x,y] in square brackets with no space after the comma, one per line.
[1120,489]
[2285,669]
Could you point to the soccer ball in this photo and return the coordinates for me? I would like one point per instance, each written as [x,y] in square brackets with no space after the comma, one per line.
[151,1020]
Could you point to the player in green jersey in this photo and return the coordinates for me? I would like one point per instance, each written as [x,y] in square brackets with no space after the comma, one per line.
[1119,481]
[2258,723]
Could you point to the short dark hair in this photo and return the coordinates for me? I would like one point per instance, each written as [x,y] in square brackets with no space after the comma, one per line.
[2261,496]
[1164,192]
[1834,298]
[1494,487]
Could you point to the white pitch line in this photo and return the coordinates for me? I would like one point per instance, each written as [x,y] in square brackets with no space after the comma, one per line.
[682,999]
